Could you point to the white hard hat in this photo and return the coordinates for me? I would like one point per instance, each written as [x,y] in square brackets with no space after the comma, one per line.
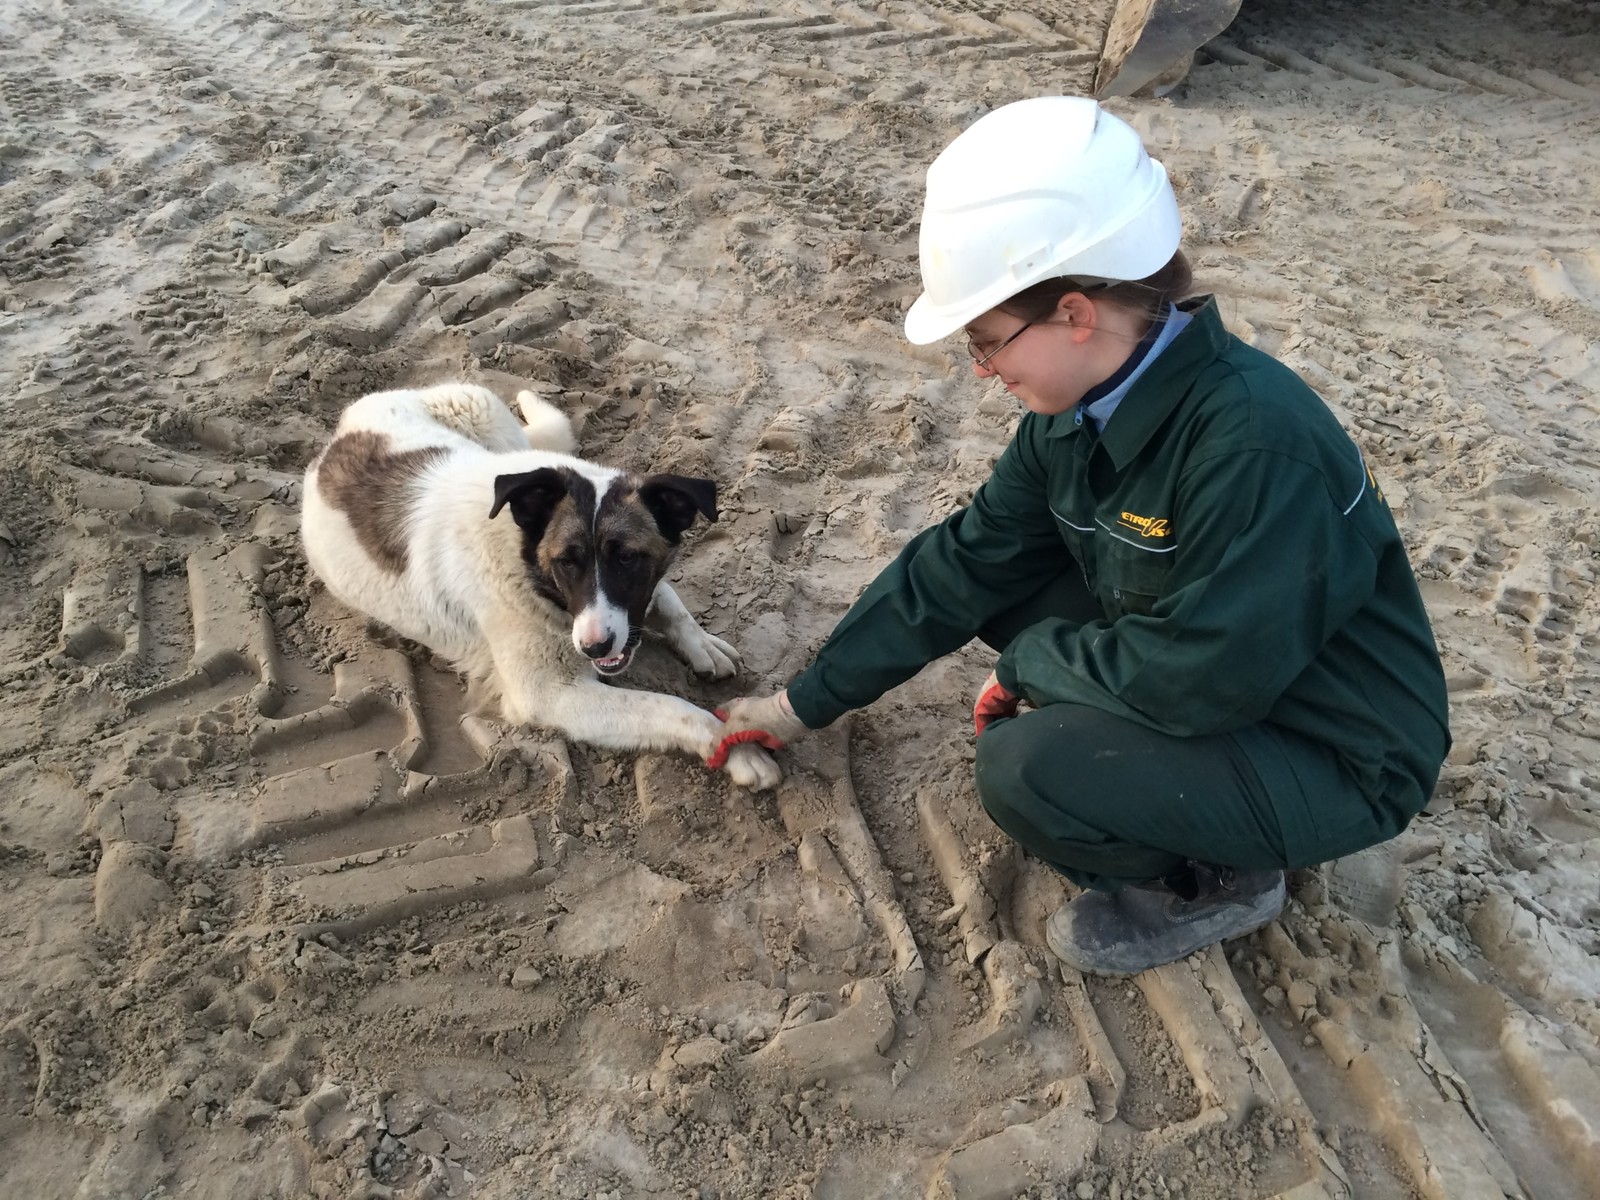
[1040,188]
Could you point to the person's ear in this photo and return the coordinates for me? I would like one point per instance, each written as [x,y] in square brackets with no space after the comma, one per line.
[1078,313]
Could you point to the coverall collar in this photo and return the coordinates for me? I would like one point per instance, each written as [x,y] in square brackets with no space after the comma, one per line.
[1160,389]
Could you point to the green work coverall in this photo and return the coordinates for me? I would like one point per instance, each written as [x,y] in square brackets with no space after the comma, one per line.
[1210,609]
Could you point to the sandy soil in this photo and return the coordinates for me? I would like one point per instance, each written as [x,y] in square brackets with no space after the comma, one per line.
[277,922]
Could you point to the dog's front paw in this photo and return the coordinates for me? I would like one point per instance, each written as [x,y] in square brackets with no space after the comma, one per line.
[752,767]
[706,653]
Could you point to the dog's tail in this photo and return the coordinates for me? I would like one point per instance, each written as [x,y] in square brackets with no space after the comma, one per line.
[545,426]
[472,411]
[477,413]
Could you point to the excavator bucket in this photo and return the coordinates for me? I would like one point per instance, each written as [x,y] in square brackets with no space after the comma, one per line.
[1150,43]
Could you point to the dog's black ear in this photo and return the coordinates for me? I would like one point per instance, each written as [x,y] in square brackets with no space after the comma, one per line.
[673,501]
[532,495]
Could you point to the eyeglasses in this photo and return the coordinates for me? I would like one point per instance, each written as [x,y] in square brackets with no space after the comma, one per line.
[981,351]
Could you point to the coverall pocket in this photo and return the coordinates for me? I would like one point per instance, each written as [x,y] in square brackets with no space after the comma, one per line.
[1079,541]
[1322,812]
[1132,578]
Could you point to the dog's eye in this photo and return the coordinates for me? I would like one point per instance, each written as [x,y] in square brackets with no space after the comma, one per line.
[571,558]
[626,558]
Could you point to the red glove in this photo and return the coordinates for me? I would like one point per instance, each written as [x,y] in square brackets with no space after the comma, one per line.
[719,756]
[768,722]
[994,703]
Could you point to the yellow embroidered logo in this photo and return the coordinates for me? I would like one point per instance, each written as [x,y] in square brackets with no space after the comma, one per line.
[1145,526]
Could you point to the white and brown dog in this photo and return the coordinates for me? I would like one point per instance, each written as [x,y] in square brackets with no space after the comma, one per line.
[402,522]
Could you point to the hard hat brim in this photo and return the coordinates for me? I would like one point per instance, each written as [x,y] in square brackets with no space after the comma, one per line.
[925,323]
[1143,245]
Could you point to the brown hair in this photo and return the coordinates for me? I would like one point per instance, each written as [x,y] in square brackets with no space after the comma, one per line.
[1147,296]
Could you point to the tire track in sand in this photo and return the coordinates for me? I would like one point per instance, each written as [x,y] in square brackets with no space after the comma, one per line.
[343,871]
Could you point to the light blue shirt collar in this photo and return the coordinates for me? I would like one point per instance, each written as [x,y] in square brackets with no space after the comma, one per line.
[1100,411]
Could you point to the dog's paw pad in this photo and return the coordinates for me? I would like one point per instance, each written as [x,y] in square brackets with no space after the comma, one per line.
[708,654]
[752,767]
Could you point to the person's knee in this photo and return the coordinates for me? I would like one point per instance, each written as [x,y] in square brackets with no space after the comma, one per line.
[1020,771]
[1002,769]
[1018,778]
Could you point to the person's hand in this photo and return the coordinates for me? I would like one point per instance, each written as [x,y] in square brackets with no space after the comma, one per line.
[994,703]
[767,720]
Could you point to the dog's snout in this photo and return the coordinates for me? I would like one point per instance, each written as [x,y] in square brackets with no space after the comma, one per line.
[601,632]
[597,649]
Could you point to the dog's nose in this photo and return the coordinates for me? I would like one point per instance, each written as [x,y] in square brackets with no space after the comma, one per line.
[598,649]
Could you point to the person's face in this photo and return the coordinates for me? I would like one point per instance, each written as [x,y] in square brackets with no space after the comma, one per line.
[1049,364]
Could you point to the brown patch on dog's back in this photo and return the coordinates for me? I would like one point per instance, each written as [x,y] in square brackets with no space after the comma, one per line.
[371,485]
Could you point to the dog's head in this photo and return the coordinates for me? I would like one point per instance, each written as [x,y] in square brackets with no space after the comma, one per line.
[598,550]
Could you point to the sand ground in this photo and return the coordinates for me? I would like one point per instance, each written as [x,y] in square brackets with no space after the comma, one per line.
[277,922]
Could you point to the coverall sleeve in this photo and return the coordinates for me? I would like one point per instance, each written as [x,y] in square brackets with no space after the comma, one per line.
[1267,567]
[945,585]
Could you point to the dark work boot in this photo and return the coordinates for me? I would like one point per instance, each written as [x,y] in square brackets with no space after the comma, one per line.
[1148,924]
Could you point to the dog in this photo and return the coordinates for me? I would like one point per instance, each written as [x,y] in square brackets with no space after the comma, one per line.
[535,572]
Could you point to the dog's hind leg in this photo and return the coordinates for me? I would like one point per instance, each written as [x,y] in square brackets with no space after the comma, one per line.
[705,653]
[545,426]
